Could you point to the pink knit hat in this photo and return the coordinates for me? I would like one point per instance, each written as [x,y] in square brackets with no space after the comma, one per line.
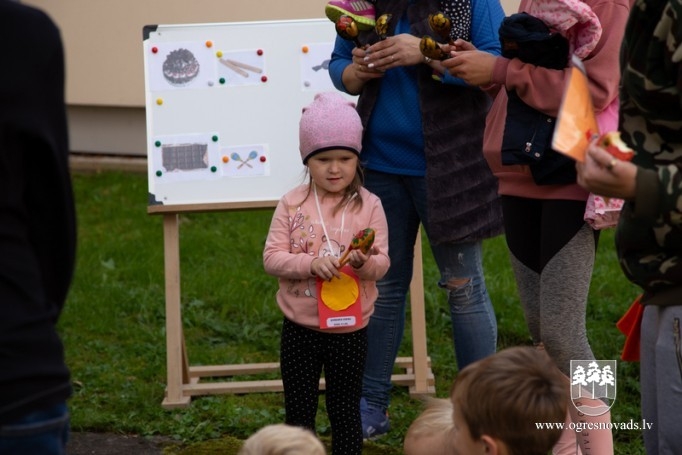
[329,122]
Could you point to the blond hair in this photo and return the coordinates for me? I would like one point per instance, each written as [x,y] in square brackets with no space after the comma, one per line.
[430,432]
[282,439]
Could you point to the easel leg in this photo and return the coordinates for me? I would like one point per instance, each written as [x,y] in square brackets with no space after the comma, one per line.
[176,356]
[422,371]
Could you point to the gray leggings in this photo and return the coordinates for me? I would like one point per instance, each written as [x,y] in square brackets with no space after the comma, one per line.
[552,255]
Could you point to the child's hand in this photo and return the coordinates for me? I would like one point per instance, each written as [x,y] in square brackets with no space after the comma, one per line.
[326,267]
[357,258]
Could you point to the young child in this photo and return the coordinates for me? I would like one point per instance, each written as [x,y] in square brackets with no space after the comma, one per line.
[498,400]
[431,432]
[311,227]
[281,439]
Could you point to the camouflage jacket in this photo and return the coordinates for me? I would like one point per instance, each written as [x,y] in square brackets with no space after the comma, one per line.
[649,235]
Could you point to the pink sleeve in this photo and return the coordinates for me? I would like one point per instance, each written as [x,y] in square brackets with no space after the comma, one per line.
[278,260]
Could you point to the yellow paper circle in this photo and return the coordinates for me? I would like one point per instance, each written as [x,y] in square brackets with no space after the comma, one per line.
[340,293]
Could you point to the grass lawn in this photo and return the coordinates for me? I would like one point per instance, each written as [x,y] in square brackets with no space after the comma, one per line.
[114,323]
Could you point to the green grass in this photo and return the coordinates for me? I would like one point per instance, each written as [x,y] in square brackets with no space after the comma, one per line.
[114,323]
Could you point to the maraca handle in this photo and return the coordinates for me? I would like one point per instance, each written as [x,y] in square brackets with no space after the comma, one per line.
[344,259]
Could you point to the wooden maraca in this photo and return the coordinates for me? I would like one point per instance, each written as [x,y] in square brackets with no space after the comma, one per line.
[348,29]
[381,26]
[362,241]
[441,25]
[431,49]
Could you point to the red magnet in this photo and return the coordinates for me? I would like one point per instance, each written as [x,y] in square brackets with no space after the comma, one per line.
[155,49]
[262,159]
[259,52]
[264,78]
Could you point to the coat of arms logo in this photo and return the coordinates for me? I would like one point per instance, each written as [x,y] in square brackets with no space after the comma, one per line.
[593,380]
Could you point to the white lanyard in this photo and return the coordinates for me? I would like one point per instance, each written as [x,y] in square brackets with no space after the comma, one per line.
[324,228]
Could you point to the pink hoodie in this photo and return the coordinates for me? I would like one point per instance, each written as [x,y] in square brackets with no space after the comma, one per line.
[296,237]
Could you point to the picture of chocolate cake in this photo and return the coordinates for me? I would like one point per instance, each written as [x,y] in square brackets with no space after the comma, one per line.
[180,67]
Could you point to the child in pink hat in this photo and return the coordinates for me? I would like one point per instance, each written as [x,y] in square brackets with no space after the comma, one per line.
[326,303]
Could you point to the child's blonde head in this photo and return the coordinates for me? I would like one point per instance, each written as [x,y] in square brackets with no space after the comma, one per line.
[430,432]
[281,439]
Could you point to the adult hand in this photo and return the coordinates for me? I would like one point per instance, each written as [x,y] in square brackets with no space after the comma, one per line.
[461,45]
[605,175]
[392,52]
[472,66]
[356,75]
[361,65]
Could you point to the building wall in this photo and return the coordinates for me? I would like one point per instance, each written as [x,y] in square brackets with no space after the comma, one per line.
[104,62]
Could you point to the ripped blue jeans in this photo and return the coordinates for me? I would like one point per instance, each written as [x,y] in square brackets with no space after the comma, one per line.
[474,327]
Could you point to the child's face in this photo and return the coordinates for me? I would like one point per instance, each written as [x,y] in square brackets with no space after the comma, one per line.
[333,170]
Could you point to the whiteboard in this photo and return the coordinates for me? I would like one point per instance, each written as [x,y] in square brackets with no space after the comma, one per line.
[223,104]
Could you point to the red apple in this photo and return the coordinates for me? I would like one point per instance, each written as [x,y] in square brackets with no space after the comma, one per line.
[613,144]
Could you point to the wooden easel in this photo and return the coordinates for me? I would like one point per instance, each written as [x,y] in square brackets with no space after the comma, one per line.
[184,381]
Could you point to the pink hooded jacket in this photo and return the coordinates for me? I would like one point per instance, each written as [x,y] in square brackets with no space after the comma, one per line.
[296,238]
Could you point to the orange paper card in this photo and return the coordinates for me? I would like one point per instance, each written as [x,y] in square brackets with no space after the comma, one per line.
[338,300]
[576,121]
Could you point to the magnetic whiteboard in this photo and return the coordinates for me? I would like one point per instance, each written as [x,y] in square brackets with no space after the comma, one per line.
[223,103]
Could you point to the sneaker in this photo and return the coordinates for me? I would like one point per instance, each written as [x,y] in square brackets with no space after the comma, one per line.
[374,421]
[361,11]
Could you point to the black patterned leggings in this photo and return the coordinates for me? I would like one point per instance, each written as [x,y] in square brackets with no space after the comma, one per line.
[303,355]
